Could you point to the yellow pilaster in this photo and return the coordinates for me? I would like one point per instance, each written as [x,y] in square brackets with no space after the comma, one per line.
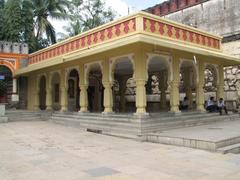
[220,85]
[199,87]
[49,92]
[83,90]
[63,90]
[108,99]
[141,79]
[174,85]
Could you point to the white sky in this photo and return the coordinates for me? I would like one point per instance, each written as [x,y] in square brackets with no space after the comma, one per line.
[120,6]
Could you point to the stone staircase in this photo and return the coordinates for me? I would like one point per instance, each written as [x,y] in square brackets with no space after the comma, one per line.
[144,128]
[130,126]
[122,125]
[25,115]
[219,134]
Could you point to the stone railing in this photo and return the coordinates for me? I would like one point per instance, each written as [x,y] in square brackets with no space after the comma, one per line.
[15,48]
[139,23]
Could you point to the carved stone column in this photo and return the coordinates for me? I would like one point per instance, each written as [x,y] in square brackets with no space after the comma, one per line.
[141,101]
[63,90]
[174,85]
[220,85]
[200,86]
[49,92]
[83,98]
[108,99]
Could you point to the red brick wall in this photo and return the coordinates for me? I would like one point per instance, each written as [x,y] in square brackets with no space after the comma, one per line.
[191,2]
[157,10]
[182,4]
[165,8]
[173,5]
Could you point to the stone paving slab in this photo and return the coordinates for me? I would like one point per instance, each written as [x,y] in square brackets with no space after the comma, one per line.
[46,151]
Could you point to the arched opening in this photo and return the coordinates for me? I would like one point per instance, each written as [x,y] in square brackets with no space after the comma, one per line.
[210,84]
[124,87]
[157,85]
[42,93]
[73,91]
[56,92]
[6,84]
[95,89]
[187,86]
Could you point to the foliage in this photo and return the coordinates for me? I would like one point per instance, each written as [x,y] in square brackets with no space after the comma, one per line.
[28,21]
[45,9]
[1,18]
[88,14]
[12,22]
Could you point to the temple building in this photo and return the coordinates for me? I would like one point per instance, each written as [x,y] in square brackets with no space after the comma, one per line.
[140,63]
[12,57]
[205,15]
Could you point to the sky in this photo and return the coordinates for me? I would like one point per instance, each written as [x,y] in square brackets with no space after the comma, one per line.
[121,7]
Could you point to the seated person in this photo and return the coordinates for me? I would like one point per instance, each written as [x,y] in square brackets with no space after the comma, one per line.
[185,104]
[221,105]
[211,106]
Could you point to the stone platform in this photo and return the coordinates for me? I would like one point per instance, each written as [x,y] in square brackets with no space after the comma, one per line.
[222,137]
[190,129]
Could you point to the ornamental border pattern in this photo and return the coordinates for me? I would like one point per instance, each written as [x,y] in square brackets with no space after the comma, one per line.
[94,38]
[179,33]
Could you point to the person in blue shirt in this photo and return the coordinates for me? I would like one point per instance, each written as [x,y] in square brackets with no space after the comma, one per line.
[221,106]
[211,106]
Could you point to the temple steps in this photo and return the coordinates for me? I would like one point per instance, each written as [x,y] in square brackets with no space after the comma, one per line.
[126,125]
[25,115]
[234,148]
[184,121]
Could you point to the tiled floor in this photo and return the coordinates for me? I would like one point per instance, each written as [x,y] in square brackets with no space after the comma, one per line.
[46,151]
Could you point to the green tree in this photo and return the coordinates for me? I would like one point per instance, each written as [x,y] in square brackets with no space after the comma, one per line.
[45,10]
[1,18]
[12,21]
[88,14]
[28,35]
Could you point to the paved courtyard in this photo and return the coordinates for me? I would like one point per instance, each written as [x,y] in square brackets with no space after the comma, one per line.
[47,151]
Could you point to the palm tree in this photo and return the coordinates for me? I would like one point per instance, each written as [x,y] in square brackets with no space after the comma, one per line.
[45,10]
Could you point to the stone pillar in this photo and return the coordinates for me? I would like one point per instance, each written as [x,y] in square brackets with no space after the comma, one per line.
[189,96]
[108,99]
[49,92]
[163,99]
[141,101]
[163,87]
[140,73]
[83,90]
[187,76]
[199,87]
[36,94]
[14,88]
[174,85]
[83,98]
[15,96]
[122,83]
[63,90]
[220,85]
